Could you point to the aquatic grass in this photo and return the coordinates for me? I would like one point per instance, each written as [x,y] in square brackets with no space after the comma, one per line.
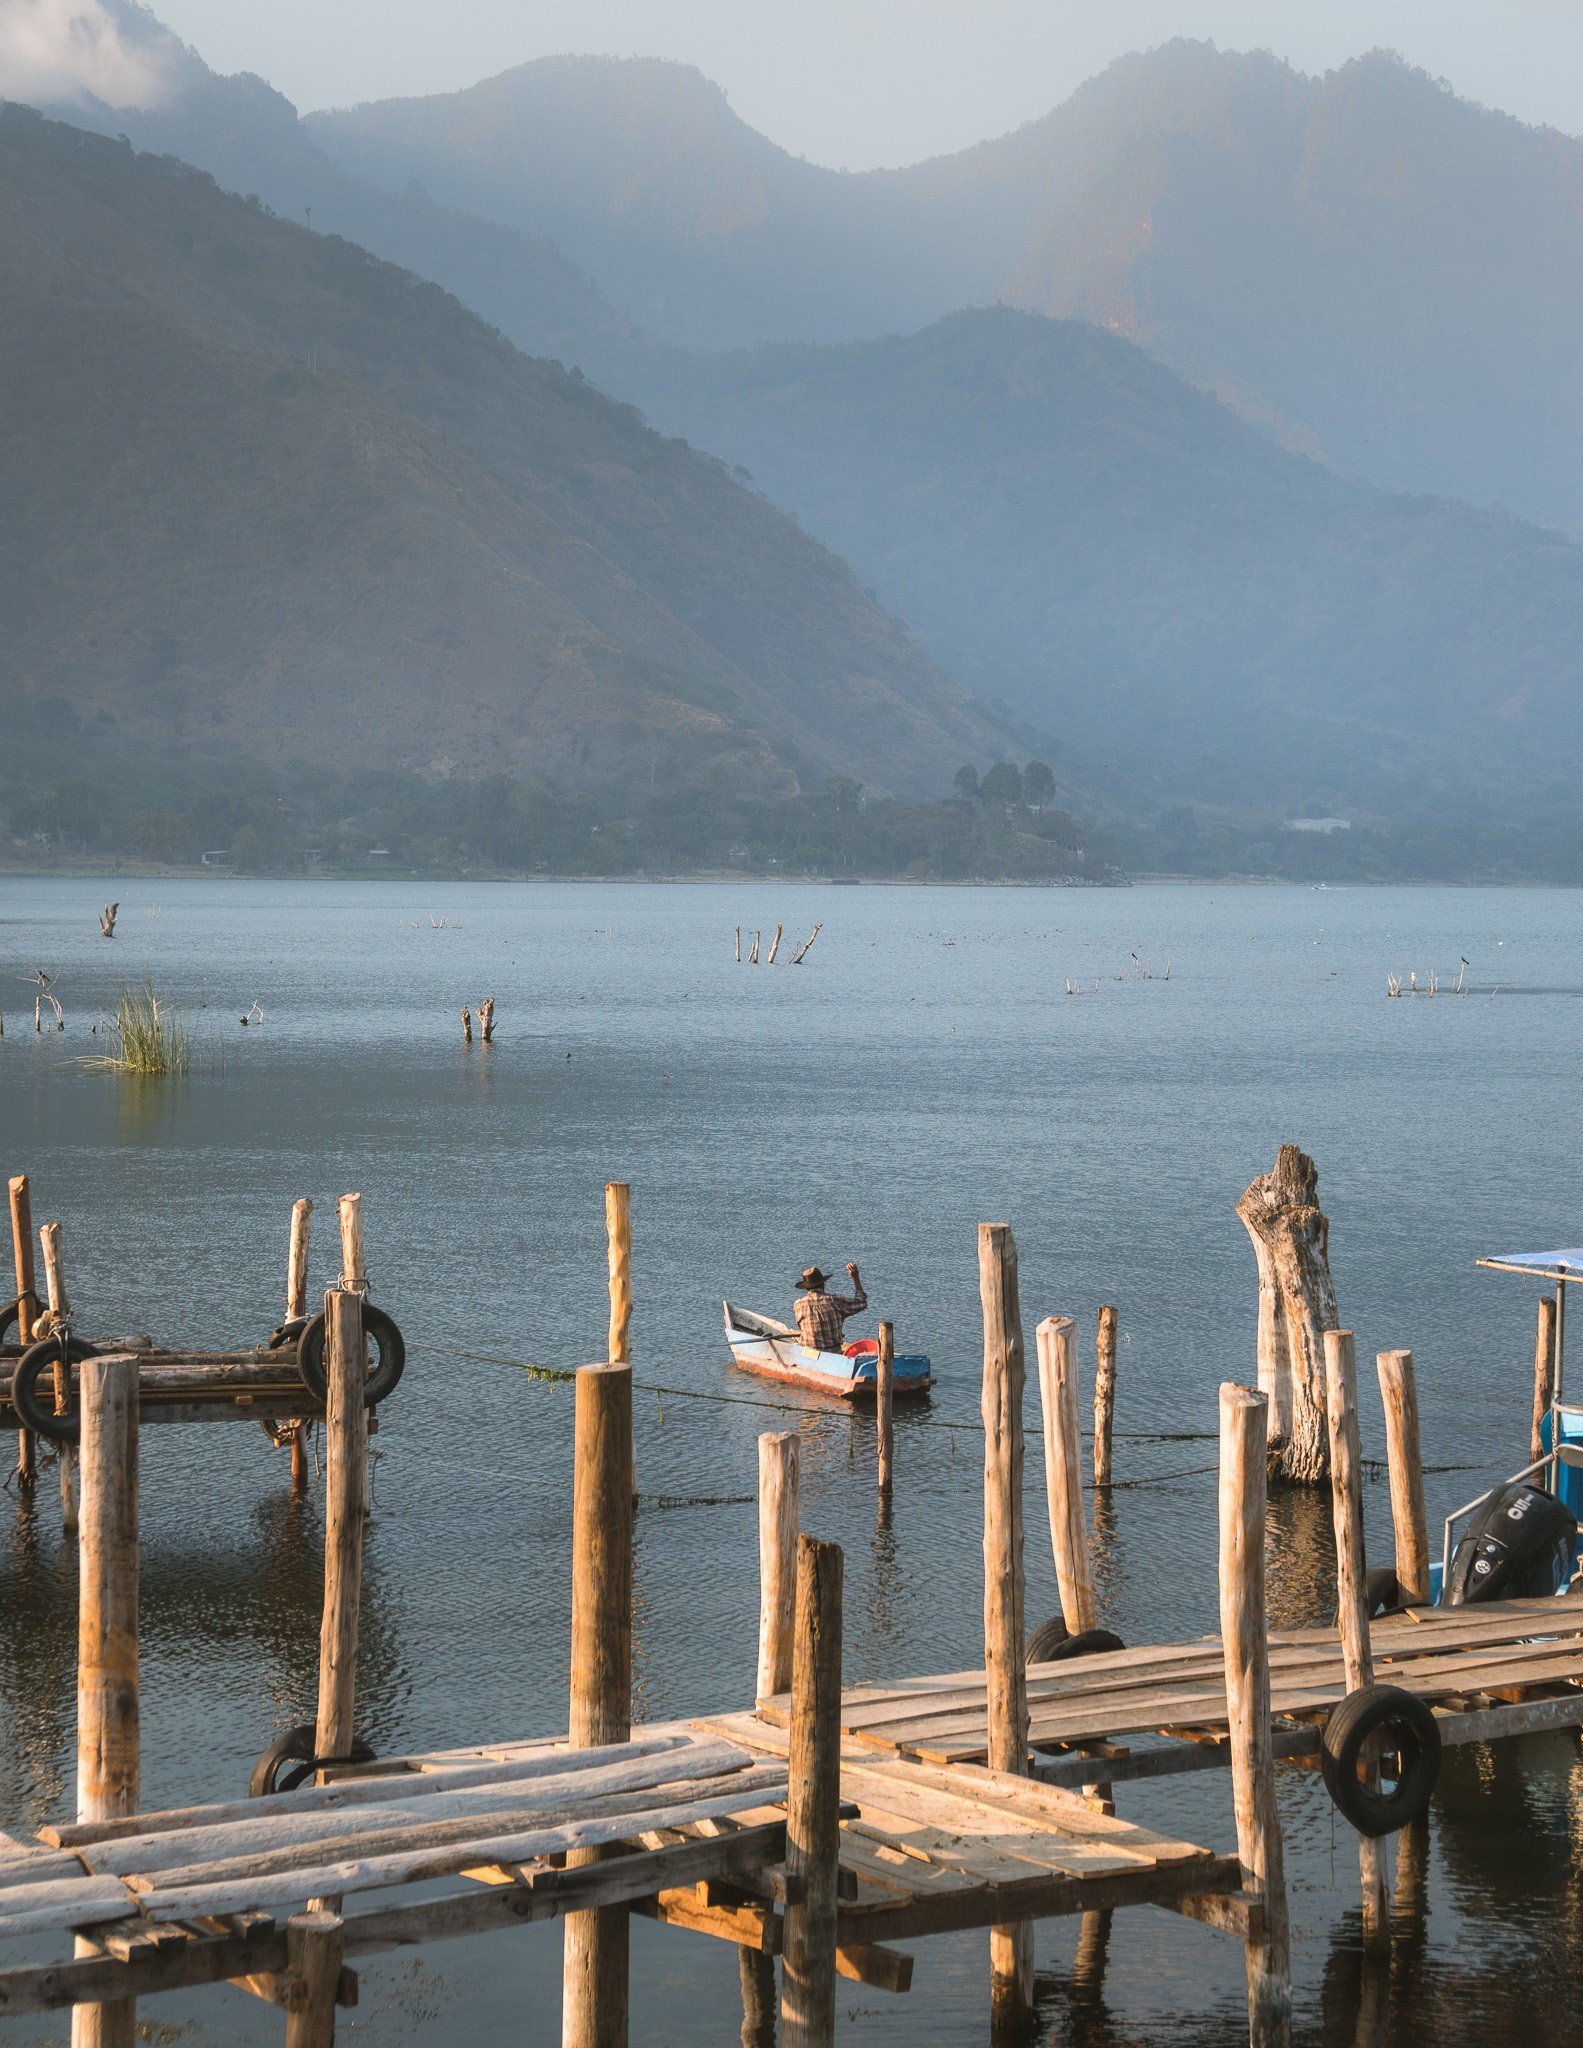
[149,1037]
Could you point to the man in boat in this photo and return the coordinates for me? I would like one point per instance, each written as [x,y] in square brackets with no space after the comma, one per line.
[821,1314]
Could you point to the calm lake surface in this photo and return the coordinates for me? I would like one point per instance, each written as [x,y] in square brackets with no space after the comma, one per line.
[922,1071]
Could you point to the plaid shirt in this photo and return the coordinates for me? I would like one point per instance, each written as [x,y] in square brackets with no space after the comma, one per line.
[820,1316]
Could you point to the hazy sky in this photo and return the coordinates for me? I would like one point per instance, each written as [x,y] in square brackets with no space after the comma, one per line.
[861,82]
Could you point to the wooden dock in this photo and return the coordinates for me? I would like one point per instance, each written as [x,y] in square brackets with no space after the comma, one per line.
[1475,1665]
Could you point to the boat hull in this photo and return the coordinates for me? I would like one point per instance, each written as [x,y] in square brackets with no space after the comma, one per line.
[774,1352]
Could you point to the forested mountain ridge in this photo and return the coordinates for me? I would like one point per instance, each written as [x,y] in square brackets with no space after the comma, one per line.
[262,489]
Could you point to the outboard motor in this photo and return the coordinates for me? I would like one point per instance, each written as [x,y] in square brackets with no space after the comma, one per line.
[1518,1546]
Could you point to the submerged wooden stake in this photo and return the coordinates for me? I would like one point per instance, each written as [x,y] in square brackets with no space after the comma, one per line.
[108,1743]
[1352,1599]
[1244,1632]
[778,1475]
[1011,1945]
[802,951]
[1104,1393]
[1063,1450]
[27,1299]
[774,946]
[346,1465]
[739,944]
[885,1407]
[618,1237]
[486,1019]
[467,1025]
[1404,1459]
[1544,1371]
[49,1239]
[753,951]
[1297,1303]
[594,1971]
[813,1802]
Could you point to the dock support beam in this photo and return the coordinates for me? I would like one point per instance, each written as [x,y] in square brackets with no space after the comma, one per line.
[1352,1598]
[314,1944]
[1063,1471]
[297,1306]
[885,1413]
[1104,1393]
[618,1235]
[27,1297]
[594,1972]
[1244,1631]
[778,1475]
[1405,1463]
[49,1239]
[1010,1946]
[1544,1370]
[346,1470]
[813,1802]
[108,1744]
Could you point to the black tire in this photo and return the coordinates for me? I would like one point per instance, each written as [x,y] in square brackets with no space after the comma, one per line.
[1408,1757]
[290,1761]
[1381,1593]
[1089,1642]
[36,1409]
[10,1319]
[379,1330]
[1046,1641]
[286,1334]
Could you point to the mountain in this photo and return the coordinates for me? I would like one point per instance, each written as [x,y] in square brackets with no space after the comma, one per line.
[1073,529]
[265,492]
[1388,277]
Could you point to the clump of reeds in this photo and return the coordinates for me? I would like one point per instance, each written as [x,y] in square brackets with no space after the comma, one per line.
[149,1037]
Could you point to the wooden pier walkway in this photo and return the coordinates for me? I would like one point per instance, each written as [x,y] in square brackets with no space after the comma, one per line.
[1473,1662]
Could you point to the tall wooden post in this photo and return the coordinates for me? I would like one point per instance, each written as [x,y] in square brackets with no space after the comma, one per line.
[1404,1459]
[778,1476]
[27,1297]
[813,1802]
[296,1308]
[107,1649]
[1104,1393]
[354,1266]
[1010,1946]
[618,1234]
[594,1973]
[346,1471]
[1063,1450]
[1352,1599]
[1544,1370]
[885,1410]
[49,1239]
[315,1943]
[1245,1640]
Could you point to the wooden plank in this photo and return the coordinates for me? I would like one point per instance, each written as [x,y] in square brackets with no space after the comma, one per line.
[61,1903]
[282,1842]
[748,1926]
[565,1776]
[410,1866]
[979,1790]
[883,1969]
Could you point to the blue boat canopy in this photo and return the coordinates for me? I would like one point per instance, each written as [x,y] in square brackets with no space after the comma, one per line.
[1562,1265]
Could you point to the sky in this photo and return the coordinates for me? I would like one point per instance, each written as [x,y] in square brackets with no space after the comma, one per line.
[853,83]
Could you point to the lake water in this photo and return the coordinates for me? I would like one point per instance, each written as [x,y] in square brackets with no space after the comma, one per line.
[923,1070]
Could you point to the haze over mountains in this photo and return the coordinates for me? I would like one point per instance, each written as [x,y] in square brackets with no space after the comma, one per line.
[1363,267]
[263,490]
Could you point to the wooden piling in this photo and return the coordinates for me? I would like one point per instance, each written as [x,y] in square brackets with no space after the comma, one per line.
[1011,1945]
[467,1025]
[1404,1458]
[813,1802]
[1063,1450]
[756,1972]
[486,1020]
[885,1408]
[49,1239]
[775,945]
[1244,1631]
[778,1476]
[354,1267]
[753,951]
[1352,1600]
[1104,1393]
[296,1308]
[594,1972]
[346,1467]
[315,1943]
[27,1299]
[1544,1370]
[107,1644]
[739,945]
[618,1234]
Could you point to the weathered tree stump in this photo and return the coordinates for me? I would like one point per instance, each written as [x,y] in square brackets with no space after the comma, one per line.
[1297,1305]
